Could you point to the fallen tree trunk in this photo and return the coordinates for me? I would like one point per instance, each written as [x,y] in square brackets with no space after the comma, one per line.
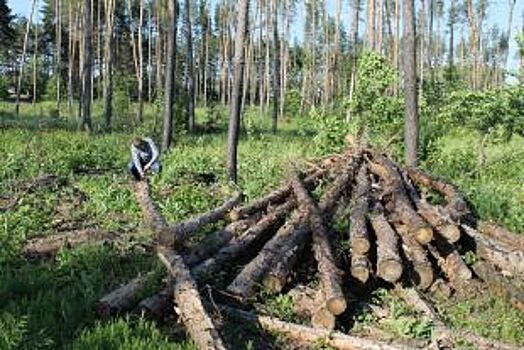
[180,230]
[244,285]
[455,201]
[389,264]
[192,311]
[450,262]
[259,232]
[500,285]
[330,274]
[275,197]
[358,232]
[422,274]
[213,242]
[156,222]
[47,247]
[308,335]
[387,171]
[123,298]
[501,235]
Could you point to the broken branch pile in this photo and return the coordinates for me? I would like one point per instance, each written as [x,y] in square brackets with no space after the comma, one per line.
[396,237]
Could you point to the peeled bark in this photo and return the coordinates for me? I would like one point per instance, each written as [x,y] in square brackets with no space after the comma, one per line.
[422,270]
[192,312]
[123,298]
[330,274]
[244,285]
[360,267]
[308,335]
[389,264]
[386,170]
[259,232]
[450,262]
[275,197]
[358,233]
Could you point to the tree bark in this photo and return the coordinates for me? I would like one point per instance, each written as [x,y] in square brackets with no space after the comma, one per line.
[169,90]
[360,267]
[330,274]
[234,117]
[358,233]
[309,302]
[411,132]
[190,107]
[85,99]
[108,61]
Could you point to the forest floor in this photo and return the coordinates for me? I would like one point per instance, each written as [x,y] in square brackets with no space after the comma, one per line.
[49,304]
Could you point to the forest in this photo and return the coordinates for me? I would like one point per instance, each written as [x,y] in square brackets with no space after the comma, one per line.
[332,174]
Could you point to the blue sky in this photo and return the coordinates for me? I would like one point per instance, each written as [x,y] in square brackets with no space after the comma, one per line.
[497,15]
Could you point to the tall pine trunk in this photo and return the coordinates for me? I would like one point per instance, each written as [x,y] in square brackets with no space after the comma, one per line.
[108,61]
[190,85]
[276,67]
[410,84]
[85,100]
[169,75]
[234,117]
[22,62]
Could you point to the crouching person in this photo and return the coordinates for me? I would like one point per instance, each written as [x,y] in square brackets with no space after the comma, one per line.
[145,157]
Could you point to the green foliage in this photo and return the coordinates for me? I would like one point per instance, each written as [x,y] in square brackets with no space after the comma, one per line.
[330,131]
[4,86]
[126,334]
[292,107]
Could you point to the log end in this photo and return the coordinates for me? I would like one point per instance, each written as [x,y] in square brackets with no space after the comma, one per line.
[274,284]
[424,235]
[423,277]
[360,245]
[361,273]
[233,216]
[451,232]
[336,305]
[390,271]
[322,318]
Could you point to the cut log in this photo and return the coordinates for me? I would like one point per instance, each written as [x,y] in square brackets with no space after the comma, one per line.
[307,335]
[258,233]
[440,289]
[506,258]
[47,247]
[360,267]
[389,264]
[358,232]
[310,303]
[501,235]
[450,262]
[330,274]
[244,285]
[216,240]
[500,285]
[156,306]
[192,312]
[180,230]
[422,274]
[277,276]
[455,201]
[387,171]
[277,196]
[123,298]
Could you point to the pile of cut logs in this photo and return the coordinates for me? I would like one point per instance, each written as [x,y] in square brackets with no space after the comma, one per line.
[396,237]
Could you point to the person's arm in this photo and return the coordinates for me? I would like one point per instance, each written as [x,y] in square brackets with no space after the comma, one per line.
[154,152]
[136,161]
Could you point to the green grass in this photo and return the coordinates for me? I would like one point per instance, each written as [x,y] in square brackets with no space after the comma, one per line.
[50,305]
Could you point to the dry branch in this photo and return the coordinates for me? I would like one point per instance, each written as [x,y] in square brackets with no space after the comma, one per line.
[330,275]
[307,335]
[259,232]
[394,185]
[192,311]
[47,247]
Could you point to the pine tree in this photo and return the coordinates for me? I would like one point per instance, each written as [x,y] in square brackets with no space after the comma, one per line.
[7,32]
